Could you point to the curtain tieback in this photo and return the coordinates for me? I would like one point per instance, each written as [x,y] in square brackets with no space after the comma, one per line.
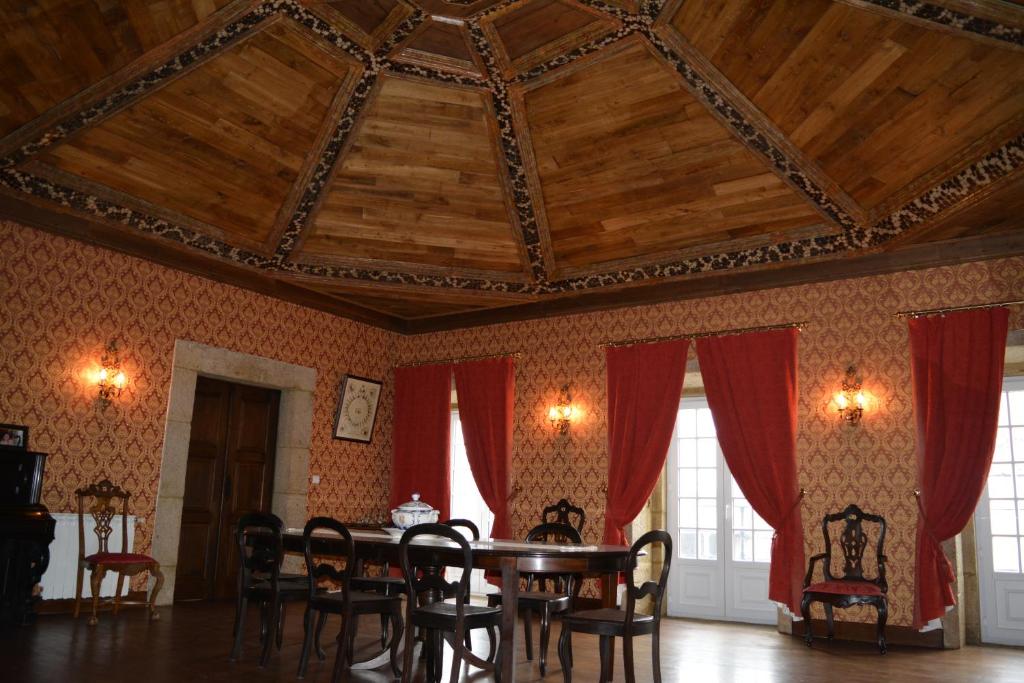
[942,563]
[924,519]
[789,513]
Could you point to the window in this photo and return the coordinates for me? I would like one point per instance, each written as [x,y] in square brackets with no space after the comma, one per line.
[1006,483]
[466,502]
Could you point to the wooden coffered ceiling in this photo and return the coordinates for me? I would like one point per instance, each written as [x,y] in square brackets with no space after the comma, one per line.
[427,164]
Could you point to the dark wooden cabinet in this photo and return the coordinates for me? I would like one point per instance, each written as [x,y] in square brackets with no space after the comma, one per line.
[230,471]
[26,530]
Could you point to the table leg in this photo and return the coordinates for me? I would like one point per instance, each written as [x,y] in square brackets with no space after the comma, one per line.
[609,597]
[509,604]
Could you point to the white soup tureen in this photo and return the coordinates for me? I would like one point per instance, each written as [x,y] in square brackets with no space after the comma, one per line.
[414,512]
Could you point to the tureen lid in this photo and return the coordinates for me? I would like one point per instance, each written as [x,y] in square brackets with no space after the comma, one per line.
[415,504]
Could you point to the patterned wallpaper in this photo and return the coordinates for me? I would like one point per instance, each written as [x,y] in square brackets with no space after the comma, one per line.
[63,301]
[850,321]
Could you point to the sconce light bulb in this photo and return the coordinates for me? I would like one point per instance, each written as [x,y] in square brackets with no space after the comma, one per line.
[860,400]
[103,375]
[119,380]
[841,401]
[553,413]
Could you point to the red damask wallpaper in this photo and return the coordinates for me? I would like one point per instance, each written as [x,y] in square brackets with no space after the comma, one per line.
[849,321]
[63,301]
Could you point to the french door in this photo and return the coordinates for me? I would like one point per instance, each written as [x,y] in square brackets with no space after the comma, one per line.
[467,503]
[1000,526]
[723,547]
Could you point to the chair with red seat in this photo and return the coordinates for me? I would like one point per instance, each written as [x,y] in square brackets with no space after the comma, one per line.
[852,588]
[103,509]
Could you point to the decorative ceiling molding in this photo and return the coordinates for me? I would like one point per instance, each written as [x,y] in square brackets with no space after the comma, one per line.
[947,18]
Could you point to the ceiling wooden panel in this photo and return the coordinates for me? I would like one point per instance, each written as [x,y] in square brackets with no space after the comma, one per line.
[366,21]
[420,184]
[630,164]
[52,49]
[223,144]
[1000,212]
[876,101]
[461,8]
[531,32]
[419,303]
[440,45]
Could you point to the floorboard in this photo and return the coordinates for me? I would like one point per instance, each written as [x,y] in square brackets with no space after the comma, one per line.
[191,643]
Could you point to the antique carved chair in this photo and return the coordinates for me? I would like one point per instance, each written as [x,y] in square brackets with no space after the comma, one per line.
[543,602]
[104,498]
[442,621]
[852,588]
[348,603]
[260,554]
[611,623]
[564,512]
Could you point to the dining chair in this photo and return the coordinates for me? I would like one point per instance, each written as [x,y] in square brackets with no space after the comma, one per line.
[564,512]
[348,603]
[438,617]
[260,554]
[543,602]
[103,509]
[610,623]
[465,524]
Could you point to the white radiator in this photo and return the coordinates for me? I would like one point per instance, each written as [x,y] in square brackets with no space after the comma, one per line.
[59,580]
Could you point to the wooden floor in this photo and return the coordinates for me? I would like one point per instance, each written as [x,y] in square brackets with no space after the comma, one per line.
[191,642]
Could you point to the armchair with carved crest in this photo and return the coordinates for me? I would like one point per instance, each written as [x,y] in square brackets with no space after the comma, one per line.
[852,588]
[105,497]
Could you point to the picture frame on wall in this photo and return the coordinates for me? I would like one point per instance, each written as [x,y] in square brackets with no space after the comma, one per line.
[14,437]
[358,399]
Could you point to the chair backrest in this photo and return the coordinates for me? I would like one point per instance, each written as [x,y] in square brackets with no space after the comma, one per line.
[853,542]
[105,497]
[555,532]
[260,551]
[563,512]
[656,589]
[466,524]
[418,582]
[316,572]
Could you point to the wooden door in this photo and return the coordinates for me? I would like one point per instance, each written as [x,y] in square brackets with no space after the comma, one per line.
[230,471]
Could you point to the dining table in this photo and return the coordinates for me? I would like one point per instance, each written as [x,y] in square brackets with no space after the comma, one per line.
[511,558]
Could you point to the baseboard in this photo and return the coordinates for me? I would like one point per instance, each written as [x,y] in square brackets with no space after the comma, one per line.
[67,605]
[865,633]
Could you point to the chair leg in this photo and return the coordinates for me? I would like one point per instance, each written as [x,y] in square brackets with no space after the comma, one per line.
[564,648]
[117,593]
[458,646]
[828,621]
[272,614]
[308,630]
[156,572]
[94,581]
[883,615]
[656,652]
[545,634]
[607,643]
[410,644]
[383,630]
[397,631]
[344,651]
[280,624]
[240,609]
[805,612]
[78,589]
[627,660]
[321,620]
[528,632]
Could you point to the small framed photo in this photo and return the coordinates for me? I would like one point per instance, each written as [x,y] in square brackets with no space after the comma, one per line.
[357,409]
[14,436]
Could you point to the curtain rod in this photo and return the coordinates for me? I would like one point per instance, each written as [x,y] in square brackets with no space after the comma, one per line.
[950,309]
[698,335]
[463,359]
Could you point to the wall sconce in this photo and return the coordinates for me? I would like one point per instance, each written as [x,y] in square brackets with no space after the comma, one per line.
[562,413]
[110,379]
[851,399]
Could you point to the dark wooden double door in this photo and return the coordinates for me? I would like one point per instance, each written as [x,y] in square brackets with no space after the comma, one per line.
[230,472]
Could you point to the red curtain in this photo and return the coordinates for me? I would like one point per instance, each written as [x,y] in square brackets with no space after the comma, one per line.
[750,382]
[486,390]
[645,382]
[957,369]
[422,426]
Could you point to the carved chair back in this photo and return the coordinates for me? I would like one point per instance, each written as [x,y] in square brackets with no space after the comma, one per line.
[852,543]
[655,589]
[105,497]
[555,532]
[417,582]
[260,550]
[563,512]
[316,571]
[474,532]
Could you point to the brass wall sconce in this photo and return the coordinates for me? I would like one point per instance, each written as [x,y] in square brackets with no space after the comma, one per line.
[561,414]
[110,379]
[851,399]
